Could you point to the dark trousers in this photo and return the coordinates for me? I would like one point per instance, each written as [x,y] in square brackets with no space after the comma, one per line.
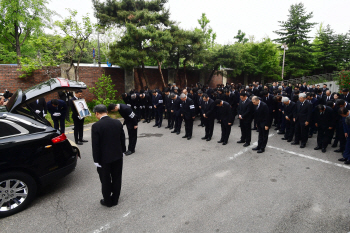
[148,113]
[142,112]
[111,180]
[59,121]
[159,116]
[263,136]
[209,127]
[178,122]
[234,114]
[188,127]
[78,129]
[323,136]
[312,125]
[225,131]
[170,118]
[339,136]
[132,138]
[301,132]
[283,123]
[246,130]
[67,112]
[290,127]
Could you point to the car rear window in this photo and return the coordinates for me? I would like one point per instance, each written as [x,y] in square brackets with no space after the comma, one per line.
[7,130]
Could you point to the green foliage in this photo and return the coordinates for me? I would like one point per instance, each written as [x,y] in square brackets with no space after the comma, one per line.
[241,37]
[19,19]
[209,36]
[104,91]
[343,79]
[294,33]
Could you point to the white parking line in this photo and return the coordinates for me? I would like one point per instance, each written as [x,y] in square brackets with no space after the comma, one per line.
[309,157]
[103,228]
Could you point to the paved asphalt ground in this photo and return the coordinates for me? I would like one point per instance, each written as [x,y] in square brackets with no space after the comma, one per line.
[174,185]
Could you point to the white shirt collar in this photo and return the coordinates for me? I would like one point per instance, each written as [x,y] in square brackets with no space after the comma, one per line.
[103,116]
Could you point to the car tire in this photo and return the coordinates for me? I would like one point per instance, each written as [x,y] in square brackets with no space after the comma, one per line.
[17,190]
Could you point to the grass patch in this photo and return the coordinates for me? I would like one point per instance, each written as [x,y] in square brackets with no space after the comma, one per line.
[88,120]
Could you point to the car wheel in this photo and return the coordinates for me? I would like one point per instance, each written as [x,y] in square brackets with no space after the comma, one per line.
[17,190]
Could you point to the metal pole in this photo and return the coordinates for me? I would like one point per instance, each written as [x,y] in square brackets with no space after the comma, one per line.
[284,55]
[98,45]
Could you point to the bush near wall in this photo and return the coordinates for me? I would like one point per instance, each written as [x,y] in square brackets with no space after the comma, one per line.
[343,79]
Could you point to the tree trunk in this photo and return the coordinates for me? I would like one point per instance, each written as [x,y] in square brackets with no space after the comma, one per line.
[211,75]
[18,46]
[144,74]
[160,71]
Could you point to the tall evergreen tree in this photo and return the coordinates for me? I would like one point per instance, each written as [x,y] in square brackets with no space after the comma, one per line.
[294,33]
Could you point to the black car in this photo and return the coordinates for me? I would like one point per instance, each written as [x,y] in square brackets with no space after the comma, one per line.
[32,152]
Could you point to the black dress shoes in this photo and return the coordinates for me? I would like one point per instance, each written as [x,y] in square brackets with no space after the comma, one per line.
[84,140]
[254,128]
[102,202]
[256,148]
[177,133]
[144,121]
[334,146]
[167,127]
[317,148]
[189,138]
[208,139]
[261,151]
[347,162]
[284,138]
[281,132]
[224,143]
[173,131]
[289,140]
[246,144]
[302,146]
[170,128]
[203,138]
[220,141]
[295,143]
[342,159]
[338,151]
[240,141]
[129,152]
[79,143]
[155,125]
[324,150]
[184,136]
[159,126]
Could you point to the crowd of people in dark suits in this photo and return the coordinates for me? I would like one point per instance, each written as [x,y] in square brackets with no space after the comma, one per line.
[296,112]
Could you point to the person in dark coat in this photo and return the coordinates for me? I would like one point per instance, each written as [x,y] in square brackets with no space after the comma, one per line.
[262,123]
[146,104]
[157,102]
[289,108]
[131,122]
[66,96]
[325,125]
[39,107]
[188,112]
[207,109]
[176,111]
[78,121]
[57,109]
[226,119]
[245,114]
[302,118]
[168,104]
[108,146]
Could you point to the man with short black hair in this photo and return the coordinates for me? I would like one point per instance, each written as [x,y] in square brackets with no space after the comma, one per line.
[57,109]
[262,122]
[108,145]
[325,125]
[208,113]
[176,112]
[157,101]
[131,122]
[188,114]
[245,114]
[226,120]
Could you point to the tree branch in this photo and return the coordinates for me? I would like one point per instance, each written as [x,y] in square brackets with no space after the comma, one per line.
[9,41]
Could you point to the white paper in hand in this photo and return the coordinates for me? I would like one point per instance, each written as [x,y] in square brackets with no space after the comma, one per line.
[37,111]
[97,165]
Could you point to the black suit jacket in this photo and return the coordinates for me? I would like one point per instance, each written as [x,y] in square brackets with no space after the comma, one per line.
[176,107]
[324,99]
[108,140]
[262,115]
[325,120]
[303,113]
[226,115]
[129,116]
[289,110]
[188,109]
[246,110]
[39,105]
[61,108]
[65,96]
[208,109]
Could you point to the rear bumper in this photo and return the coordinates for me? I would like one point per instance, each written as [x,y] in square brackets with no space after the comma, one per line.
[60,173]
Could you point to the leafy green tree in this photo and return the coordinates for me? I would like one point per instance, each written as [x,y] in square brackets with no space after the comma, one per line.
[146,23]
[294,33]
[76,37]
[20,18]
[104,91]
[209,35]
[241,37]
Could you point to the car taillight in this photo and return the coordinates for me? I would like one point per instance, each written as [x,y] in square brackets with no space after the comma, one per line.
[58,139]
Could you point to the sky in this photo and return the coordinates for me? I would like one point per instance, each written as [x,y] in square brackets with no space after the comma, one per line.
[258,18]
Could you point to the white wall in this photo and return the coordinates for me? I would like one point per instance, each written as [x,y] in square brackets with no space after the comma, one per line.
[332,86]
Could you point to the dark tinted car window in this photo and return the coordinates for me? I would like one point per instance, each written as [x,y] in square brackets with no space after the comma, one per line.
[7,130]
